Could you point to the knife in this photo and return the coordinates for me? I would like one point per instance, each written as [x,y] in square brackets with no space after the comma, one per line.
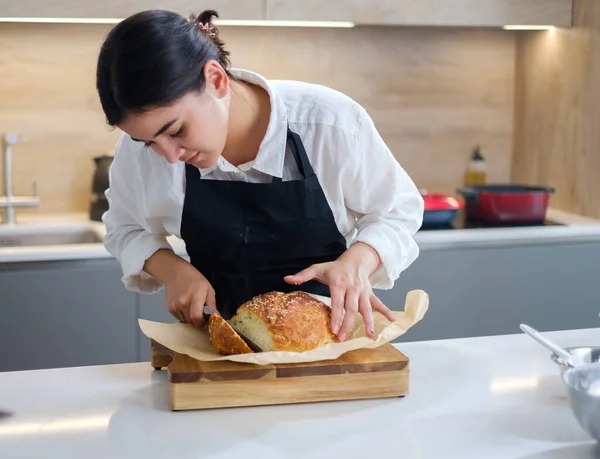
[207,312]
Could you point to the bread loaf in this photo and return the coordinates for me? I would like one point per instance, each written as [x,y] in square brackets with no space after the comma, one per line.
[224,338]
[276,321]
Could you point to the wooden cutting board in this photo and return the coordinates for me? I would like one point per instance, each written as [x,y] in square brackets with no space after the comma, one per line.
[382,372]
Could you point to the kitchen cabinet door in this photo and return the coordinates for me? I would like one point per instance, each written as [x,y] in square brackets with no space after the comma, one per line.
[491,291]
[227,9]
[151,307]
[63,314]
[425,12]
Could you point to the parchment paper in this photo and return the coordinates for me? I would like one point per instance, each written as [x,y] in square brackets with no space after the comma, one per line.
[194,341]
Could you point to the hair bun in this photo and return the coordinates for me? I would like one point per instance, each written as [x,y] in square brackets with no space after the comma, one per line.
[204,22]
[206,16]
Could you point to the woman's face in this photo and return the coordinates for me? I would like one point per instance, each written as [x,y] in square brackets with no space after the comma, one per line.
[193,129]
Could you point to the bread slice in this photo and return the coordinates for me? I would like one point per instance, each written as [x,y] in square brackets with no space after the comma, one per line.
[224,338]
[276,321]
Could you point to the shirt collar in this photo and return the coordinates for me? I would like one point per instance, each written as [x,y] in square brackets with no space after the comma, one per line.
[271,154]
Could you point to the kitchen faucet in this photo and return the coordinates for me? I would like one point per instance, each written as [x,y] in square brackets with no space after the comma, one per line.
[8,201]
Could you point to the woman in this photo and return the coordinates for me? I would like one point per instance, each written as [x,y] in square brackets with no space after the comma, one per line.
[272,185]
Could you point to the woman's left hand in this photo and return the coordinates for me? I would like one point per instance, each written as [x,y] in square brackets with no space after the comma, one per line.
[348,281]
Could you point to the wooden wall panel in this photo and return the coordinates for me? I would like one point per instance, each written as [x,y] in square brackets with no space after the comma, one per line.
[557,119]
[434,95]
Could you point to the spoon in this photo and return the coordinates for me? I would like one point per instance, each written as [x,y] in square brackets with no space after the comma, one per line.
[562,353]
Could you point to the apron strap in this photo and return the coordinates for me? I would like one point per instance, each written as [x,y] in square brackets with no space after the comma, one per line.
[191,173]
[300,155]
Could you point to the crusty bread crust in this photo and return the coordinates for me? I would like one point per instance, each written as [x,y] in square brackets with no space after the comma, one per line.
[224,338]
[294,322]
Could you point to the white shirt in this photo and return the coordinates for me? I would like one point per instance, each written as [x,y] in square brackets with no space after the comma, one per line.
[372,198]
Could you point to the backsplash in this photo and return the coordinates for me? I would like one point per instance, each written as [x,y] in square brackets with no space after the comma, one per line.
[433,94]
[558,72]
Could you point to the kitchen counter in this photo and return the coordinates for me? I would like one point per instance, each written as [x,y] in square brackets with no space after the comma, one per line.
[491,397]
[573,228]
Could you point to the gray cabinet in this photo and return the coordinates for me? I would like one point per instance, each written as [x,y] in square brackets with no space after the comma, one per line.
[490,291]
[62,314]
[151,307]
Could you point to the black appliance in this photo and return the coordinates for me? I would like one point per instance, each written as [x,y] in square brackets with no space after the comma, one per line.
[100,182]
[462,222]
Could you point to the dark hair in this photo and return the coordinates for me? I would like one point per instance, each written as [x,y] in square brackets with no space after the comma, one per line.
[153,58]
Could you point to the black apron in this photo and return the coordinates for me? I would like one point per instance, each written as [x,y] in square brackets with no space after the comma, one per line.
[246,237]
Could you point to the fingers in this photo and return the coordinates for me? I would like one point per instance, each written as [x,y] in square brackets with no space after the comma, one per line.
[303,276]
[178,307]
[180,317]
[177,313]
[197,304]
[378,306]
[196,313]
[364,307]
[185,311]
[337,308]
[351,307]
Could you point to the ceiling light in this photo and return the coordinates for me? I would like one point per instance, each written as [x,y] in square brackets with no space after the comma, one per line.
[278,23]
[65,20]
[218,22]
[528,27]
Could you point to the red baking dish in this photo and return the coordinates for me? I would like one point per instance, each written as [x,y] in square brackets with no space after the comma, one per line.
[440,209]
[506,203]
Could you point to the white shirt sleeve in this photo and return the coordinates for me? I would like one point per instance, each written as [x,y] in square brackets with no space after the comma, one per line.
[128,238]
[388,205]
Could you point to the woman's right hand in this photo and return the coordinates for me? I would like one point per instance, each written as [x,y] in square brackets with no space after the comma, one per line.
[188,291]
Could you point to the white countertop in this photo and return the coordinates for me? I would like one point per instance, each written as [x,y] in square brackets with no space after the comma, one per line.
[575,229]
[493,397]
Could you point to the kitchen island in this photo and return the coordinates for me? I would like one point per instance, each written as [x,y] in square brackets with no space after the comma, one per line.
[489,397]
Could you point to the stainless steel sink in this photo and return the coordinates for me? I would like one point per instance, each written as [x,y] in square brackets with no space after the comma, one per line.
[47,236]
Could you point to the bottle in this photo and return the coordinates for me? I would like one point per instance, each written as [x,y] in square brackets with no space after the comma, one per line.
[476,172]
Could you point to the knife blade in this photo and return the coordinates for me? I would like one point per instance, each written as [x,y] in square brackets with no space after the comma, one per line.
[207,312]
